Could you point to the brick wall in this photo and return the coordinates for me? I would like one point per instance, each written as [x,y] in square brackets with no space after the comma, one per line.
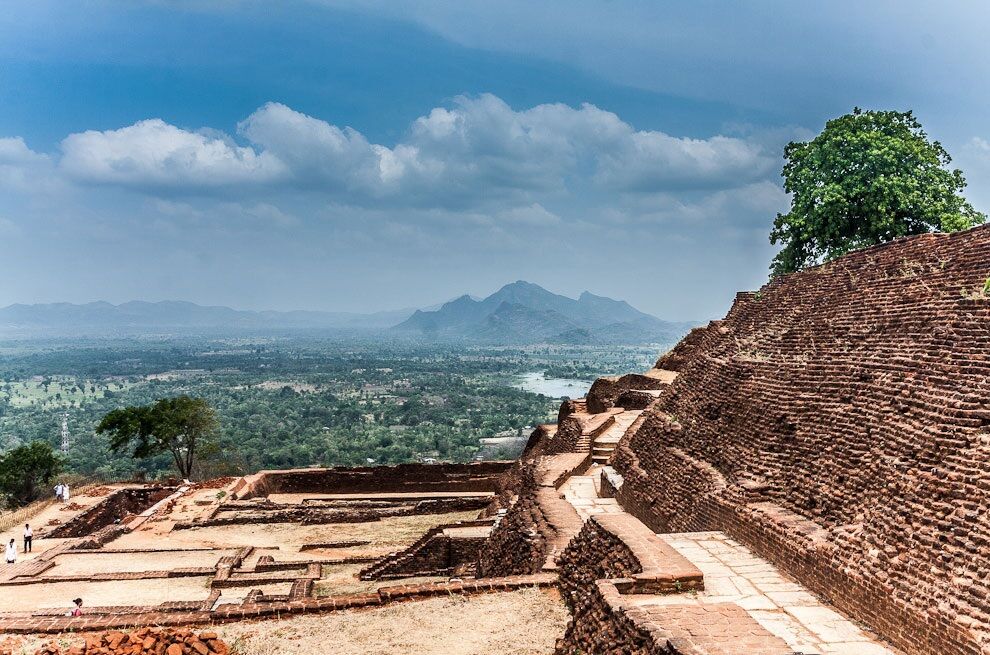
[538,523]
[616,562]
[517,545]
[110,511]
[432,554]
[838,422]
[482,476]
[606,391]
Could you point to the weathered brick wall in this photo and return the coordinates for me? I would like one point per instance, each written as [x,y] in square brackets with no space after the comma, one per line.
[517,545]
[606,391]
[565,439]
[538,524]
[838,422]
[434,553]
[595,625]
[594,554]
[603,629]
[111,510]
[481,476]
[683,500]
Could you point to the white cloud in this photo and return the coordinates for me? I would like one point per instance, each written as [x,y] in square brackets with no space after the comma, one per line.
[153,154]
[477,153]
[752,204]
[21,168]
[324,155]
[13,150]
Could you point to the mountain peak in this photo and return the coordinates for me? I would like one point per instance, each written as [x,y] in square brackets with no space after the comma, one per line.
[524,312]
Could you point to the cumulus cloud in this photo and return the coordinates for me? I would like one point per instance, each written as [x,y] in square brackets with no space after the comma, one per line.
[20,167]
[476,151]
[153,154]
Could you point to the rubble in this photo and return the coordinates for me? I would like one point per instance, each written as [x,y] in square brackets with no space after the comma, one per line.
[144,641]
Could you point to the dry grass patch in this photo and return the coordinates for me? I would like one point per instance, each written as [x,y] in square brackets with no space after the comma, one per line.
[385,536]
[524,622]
[79,563]
[342,579]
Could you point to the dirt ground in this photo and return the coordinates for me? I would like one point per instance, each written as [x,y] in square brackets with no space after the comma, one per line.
[342,579]
[77,563]
[524,622]
[283,540]
[53,515]
[28,597]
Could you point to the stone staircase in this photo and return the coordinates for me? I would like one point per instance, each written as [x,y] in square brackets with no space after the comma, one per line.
[592,426]
[604,444]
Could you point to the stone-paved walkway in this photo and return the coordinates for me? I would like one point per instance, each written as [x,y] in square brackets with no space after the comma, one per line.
[581,491]
[733,574]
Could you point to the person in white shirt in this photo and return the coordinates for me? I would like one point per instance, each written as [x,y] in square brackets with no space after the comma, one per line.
[58,491]
[11,552]
[28,537]
[65,493]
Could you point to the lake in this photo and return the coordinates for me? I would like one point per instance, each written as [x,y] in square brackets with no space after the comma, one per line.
[552,387]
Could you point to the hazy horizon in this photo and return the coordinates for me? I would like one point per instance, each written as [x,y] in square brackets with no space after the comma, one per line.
[383,310]
[362,156]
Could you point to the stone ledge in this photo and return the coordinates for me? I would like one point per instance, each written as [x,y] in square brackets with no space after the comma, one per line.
[664,569]
[710,629]
[554,470]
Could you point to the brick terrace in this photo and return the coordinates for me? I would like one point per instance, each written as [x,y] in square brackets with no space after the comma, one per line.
[142,571]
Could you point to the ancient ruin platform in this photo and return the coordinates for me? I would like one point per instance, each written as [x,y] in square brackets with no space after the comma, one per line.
[141,554]
[784,607]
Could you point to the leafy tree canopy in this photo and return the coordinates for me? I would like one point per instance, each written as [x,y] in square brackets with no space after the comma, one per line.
[182,426]
[868,178]
[26,471]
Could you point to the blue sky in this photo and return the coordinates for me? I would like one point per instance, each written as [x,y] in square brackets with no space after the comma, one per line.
[371,155]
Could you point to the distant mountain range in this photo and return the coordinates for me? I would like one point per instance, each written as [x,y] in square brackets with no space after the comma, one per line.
[523,312]
[139,316]
[517,313]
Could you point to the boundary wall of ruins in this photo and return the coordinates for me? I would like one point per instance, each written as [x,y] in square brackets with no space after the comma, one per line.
[838,423]
[614,561]
[538,525]
[411,478]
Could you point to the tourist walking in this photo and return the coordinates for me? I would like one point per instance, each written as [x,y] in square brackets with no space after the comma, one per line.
[28,537]
[11,552]
[65,493]
[58,491]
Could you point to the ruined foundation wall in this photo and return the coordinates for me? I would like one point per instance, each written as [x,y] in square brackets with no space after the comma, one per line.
[517,544]
[110,511]
[838,422]
[605,392]
[538,523]
[411,478]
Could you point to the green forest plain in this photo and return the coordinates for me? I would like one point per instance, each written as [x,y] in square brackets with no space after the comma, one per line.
[292,401]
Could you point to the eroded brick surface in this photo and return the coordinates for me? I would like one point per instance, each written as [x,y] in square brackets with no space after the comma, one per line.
[838,422]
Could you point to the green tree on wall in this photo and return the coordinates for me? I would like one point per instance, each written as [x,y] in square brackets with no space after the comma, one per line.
[182,426]
[868,178]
